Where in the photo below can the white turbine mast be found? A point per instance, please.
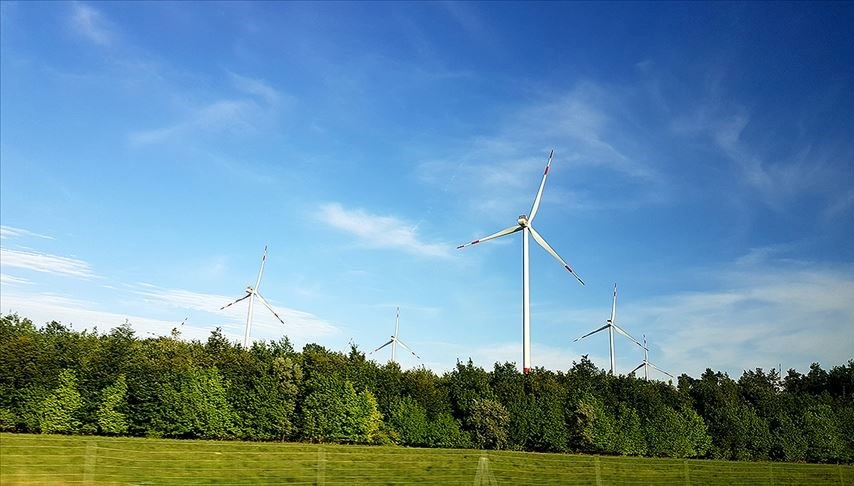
(524, 225)
(646, 364)
(394, 341)
(251, 293)
(611, 325)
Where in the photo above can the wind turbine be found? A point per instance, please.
(611, 325)
(251, 293)
(646, 364)
(523, 224)
(394, 341)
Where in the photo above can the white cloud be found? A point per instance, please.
(380, 231)
(778, 177)
(46, 263)
(256, 87)
(91, 24)
(298, 324)
(588, 130)
(243, 113)
(222, 116)
(11, 232)
(44, 307)
(6, 279)
(759, 317)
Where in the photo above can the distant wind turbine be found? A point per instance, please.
(611, 325)
(394, 341)
(524, 225)
(646, 364)
(251, 293)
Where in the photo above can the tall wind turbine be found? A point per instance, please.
(611, 325)
(251, 293)
(646, 364)
(523, 224)
(394, 341)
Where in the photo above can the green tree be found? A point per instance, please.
(333, 411)
(588, 427)
(821, 430)
(408, 419)
(194, 404)
(445, 431)
(629, 437)
(111, 420)
(58, 411)
(488, 421)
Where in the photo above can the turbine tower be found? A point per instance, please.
(646, 364)
(611, 325)
(394, 341)
(251, 293)
(523, 224)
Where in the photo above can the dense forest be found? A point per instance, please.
(57, 380)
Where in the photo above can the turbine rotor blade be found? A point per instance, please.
(637, 368)
(539, 239)
(248, 294)
(261, 270)
(536, 205)
(659, 369)
(624, 333)
(408, 348)
(264, 301)
(591, 333)
(384, 345)
(505, 231)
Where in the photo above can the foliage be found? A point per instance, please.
(334, 412)
(57, 380)
(194, 405)
(408, 419)
(58, 411)
(111, 421)
(489, 420)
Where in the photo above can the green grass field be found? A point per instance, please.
(52, 459)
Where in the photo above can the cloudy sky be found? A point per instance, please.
(704, 162)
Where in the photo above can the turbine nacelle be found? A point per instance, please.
(523, 220)
(252, 294)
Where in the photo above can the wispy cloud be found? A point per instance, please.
(298, 324)
(466, 17)
(231, 115)
(778, 171)
(91, 24)
(757, 318)
(11, 232)
(6, 279)
(498, 172)
(45, 307)
(256, 87)
(218, 117)
(378, 231)
(46, 263)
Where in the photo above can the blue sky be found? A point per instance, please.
(703, 161)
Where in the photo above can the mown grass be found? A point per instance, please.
(52, 459)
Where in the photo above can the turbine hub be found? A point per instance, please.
(523, 220)
(249, 290)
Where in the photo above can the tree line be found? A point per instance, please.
(57, 380)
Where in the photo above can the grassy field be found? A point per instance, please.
(51, 459)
